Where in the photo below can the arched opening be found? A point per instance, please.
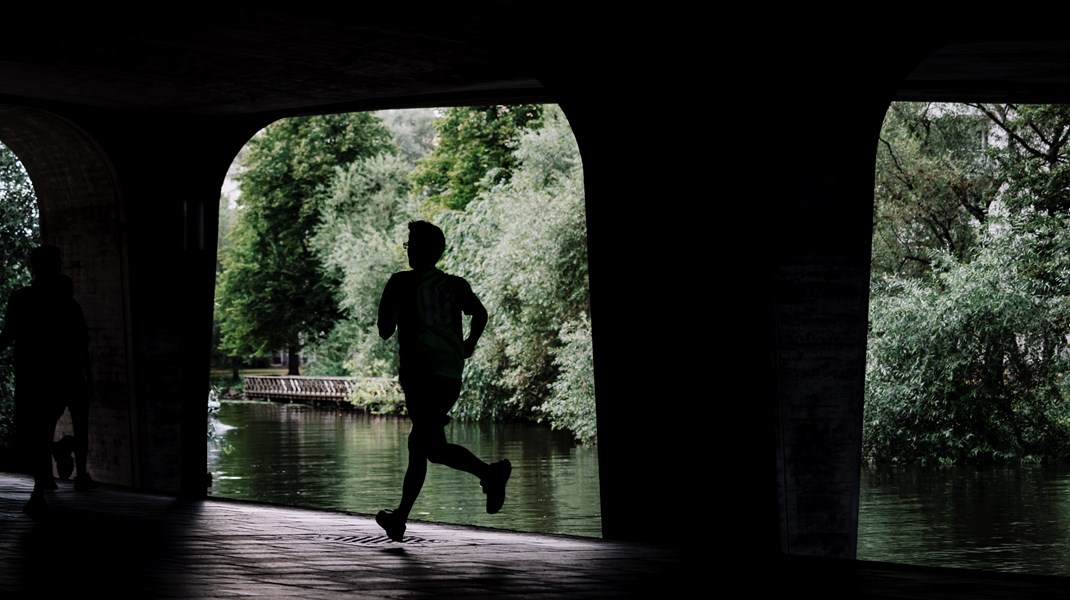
(80, 213)
(19, 234)
(313, 224)
(966, 405)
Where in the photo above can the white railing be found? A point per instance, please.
(298, 387)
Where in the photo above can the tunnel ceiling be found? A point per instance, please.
(241, 62)
(1031, 71)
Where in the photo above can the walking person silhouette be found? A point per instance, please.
(425, 307)
(48, 330)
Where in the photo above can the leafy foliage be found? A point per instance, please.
(18, 223)
(18, 235)
(572, 405)
(935, 182)
(474, 152)
(273, 292)
(378, 396)
(413, 131)
(968, 365)
(971, 275)
(1034, 154)
(523, 244)
(359, 240)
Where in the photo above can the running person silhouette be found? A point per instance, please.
(425, 307)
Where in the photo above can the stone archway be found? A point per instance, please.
(80, 212)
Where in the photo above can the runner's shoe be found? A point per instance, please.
(494, 485)
(395, 530)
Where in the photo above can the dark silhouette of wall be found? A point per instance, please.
(821, 242)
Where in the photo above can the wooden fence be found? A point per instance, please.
(315, 389)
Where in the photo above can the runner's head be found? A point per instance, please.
(426, 244)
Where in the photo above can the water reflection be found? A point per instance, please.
(295, 455)
(1007, 519)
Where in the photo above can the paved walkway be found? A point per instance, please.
(128, 544)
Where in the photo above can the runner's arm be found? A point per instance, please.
(388, 320)
(479, 316)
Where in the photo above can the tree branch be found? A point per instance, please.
(978, 212)
(903, 176)
(1003, 125)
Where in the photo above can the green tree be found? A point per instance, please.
(18, 223)
(220, 358)
(1034, 153)
(969, 310)
(523, 245)
(359, 240)
(18, 235)
(935, 181)
(273, 292)
(968, 364)
(474, 152)
(572, 404)
(413, 130)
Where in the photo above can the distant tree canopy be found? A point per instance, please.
(474, 152)
(413, 130)
(970, 294)
(274, 293)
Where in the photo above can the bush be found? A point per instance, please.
(968, 366)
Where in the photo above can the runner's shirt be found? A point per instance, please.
(427, 308)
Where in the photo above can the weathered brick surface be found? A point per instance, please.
(80, 212)
(139, 264)
(821, 355)
(820, 305)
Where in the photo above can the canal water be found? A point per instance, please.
(296, 455)
(1014, 519)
